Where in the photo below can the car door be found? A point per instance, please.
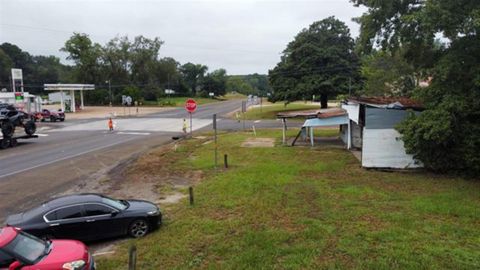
(67, 223)
(101, 222)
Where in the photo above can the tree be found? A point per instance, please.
(239, 85)
(6, 64)
(387, 74)
(193, 75)
(116, 59)
(215, 82)
(144, 56)
(319, 61)
(86, 55)
(445, 136)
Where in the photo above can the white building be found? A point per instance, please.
(56, 97)
(28, 103)
(371, 129)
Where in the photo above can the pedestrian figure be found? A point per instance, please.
(184, 126)
(110, 124)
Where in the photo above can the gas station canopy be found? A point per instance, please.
(72, 88)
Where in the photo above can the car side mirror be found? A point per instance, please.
(114, 213)
(15, 265)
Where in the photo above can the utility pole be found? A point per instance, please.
(110, 92)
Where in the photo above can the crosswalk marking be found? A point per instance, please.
(133, 133)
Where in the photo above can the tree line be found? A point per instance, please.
(126, 66)
(401, 44)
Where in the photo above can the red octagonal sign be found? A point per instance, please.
(190, 105)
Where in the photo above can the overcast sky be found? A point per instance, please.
(241, 36)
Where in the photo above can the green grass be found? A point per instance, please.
(269, 111)
(179, 101)
(304, 208)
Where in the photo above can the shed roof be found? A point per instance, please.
(389, 102)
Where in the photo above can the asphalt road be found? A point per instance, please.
(70, 152)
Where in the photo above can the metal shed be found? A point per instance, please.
(371, 128)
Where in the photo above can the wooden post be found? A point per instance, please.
(191, 129)
(190, 191)
(132, 257)
(225, 161)
(216, 146)
(284, 132)
(311, 135)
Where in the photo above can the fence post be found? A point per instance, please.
(132, 257)
(225, 161)
(190, 191)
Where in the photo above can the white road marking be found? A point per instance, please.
(140, 125)
(257, 121)
(41, 135)
(133, 133)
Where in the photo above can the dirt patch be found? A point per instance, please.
(259, 142)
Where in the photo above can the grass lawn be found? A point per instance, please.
(270, 111)
(179, 101)
(304, 208)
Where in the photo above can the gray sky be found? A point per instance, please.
(241, 36)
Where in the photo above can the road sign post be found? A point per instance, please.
(191, 106)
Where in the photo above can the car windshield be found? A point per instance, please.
(27, 247)
(114, 203)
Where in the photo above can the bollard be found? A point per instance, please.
(132, 257)
(225, 161)
(190, 191)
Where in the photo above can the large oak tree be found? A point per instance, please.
(320, 61)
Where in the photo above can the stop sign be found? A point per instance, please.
(190, 105)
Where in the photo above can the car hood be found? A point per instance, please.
(64, 251)
(139, 205)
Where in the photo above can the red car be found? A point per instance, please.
(49, 114)
(32, 253)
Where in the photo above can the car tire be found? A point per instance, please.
(30, 128)
(13, 142)
(8, 129)
(5, 143)
(42, 120)
(53, 119)
(138, 228)
(62, 119)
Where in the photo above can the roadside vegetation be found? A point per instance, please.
(304, 208)
(179, 101)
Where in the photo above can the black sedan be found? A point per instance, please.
(88, 217)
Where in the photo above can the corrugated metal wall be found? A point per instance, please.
(382, 146)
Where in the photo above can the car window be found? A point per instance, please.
(97, 210)
(68, 212)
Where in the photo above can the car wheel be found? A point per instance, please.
(30, 128)
(8, 129)
(13, 142)
(42, 120)
(138, 228)
(53, 119)
(5, 143)
(62, 119)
